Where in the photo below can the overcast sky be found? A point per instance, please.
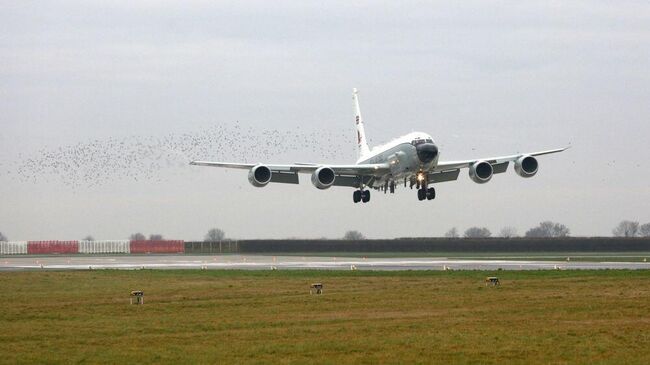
(484, 78)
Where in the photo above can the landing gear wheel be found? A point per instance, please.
(365, 196)
(431, 193)
(356, 196)
(422, 194)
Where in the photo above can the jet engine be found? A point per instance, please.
(480, 172)
(323, 177)
(526, 166)
(259, 176)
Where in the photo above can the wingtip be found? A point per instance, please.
(192, 162)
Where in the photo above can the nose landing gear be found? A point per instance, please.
(427, 194)
(422, 182)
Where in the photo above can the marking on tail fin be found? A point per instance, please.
(361, 134)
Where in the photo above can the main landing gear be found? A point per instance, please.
(361, 196)
(428, 194)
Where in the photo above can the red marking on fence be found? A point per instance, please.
(157, 246)
(52, 247)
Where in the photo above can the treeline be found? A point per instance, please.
(546, 229)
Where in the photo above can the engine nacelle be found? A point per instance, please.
(480, 172)
(259, 176)
(526, 166)
(323, 177)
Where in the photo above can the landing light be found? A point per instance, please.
(420, 177)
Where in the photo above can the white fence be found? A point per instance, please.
(119, 246)
(13, 248)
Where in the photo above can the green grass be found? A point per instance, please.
(363, 317)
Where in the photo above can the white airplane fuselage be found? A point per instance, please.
(408, 155)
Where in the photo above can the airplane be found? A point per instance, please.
(413, 159)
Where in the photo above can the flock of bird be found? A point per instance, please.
(99, 162)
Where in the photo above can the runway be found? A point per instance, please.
(260, 262)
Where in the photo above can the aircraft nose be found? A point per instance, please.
(427, 152)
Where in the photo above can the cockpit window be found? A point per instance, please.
(429, 140)
(416, 142)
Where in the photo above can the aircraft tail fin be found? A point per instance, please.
(362, 142)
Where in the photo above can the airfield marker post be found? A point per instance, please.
(138, 295)
(316, 288)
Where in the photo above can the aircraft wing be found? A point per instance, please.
(352, 170)
(501, 161)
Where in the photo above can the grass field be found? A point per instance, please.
(363, 317)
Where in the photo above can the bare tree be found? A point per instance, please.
(88, 238)
(138, 237)
(3, 237)
(508, 232)
(644, 230)
(353, 236)
(548, 229)
(155, 237)
(626, 229)
(477, 232)
(214, 235)
(452, 233)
